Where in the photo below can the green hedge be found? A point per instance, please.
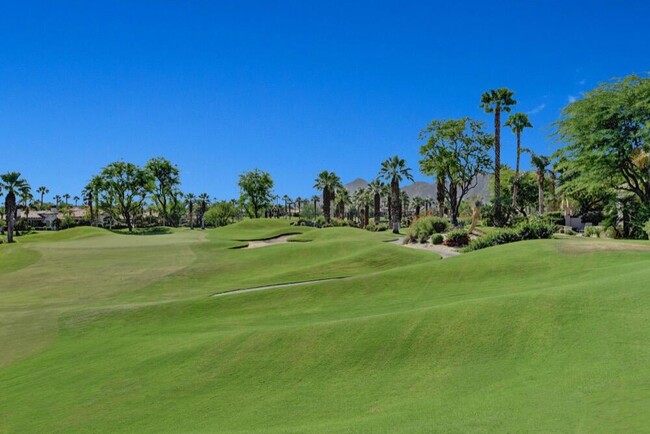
(525, 231)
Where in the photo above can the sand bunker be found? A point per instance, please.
(263, 243)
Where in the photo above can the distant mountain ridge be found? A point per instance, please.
(428, 189)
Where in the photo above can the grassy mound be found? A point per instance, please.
(520, 337)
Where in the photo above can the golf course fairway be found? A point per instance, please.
(108, 332)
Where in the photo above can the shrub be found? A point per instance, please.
(535, 229)
(593, 231)
(457, 238)
(422, 228)
(646, 227)
(374, 227)
(437, 239)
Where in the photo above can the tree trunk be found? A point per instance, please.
(417, 210)
(497, 152)
(515, 187)
(366, 216)
(326, 204)
(377, 207)
(389, 204)
(10, 204)
(540, 193)
(440, 194)
(395, 205)
(453, 203)
(127, 217)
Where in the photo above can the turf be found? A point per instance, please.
(109, 332)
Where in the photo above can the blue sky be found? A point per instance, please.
(291, 87)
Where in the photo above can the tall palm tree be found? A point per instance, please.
(327, 183)
(204, 200)
(67, 198)
(76, 200)
(495, 101)
(405, 203)
(518, 122)
(57, 199)
(394, 170)
(376, 189)
(190, 198)
(42, 190)
(540, 163)
(12, 183)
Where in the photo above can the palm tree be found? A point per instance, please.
(42, 190)
(495, 101)
(76, 200)
(394, 170)
(298, 202)
(405, 202)
(376, 189)
(57, 199)
(418, 203)
(287, 204)
(189, 200)
(204, 199)
(315, 199)
(540, 163)
(342, 199)
(12, 183)
(67, 198)
(327, 182)
(518, 122)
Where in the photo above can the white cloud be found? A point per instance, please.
(572, 99)
(537, 109)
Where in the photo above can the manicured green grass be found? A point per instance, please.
(119, 333)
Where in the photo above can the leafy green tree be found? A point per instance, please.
(42, 190)
(497, 101)
(221, 213)
(394, 170)
(518, 122)
(459, 149)
(166, 179)
(327, 182)
(12, 183)
(256, 191)
(607, 137)
(126, 187)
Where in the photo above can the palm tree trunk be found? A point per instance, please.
(10, 204)
(377, 207)
(497, 152)
(395, 204)
(326, 204)
(515, 187)
(366, 216)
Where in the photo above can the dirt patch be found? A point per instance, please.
(588, 246)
